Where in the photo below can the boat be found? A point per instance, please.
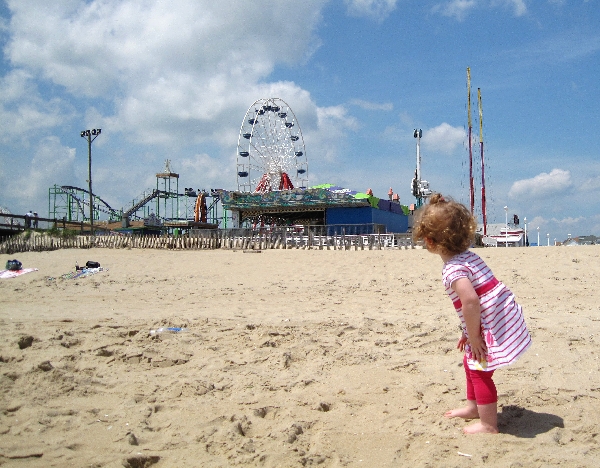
(505, 236)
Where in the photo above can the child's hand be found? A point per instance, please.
(478, 348)
(462, 341)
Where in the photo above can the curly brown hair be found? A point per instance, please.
(448, 224)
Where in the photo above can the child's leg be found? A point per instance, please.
(488, 420)
(470, 410)
(487, 403)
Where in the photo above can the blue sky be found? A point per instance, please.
(173, 80)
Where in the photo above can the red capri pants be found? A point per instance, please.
(480, 386)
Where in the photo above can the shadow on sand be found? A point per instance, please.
(522, 422)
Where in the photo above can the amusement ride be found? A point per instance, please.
(270, 150)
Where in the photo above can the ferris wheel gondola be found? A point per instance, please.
(270, 152)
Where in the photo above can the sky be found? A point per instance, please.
(174, 79)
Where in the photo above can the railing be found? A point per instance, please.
(19, 223)
(210, 239)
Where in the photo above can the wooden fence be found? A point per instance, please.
(211, 239)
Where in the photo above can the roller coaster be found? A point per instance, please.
(163, 206)
(72, 204)
(69, 203)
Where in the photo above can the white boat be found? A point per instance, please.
(512, 236)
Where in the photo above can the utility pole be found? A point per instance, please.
(90, 135)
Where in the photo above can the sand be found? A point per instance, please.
(290, 358)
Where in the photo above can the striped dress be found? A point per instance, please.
(502, 324)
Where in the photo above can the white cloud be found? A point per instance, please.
(542, 185)
(376, 9)
(550, 226)
(367, 105)
(204, 167)
(167, 69)
(590, 184)
(336, 117)
(333, 124)
(444, 138)
(23, 111)
(518, 6)
(121, 43)
(51, 162)
(536, 221)
(458, 9)
(570, 221)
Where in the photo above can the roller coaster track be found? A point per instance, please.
(77, 195)
(102, 206)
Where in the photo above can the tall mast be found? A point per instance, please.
(417, 135)
(471, 183)
(483, 206)
(419, 187)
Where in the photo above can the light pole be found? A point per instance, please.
(90, 135)
(506, 227)
(548, 237)
(538, 230)
(416, 185)
(525, 240)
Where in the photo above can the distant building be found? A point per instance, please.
(341, 209)
(581, 240)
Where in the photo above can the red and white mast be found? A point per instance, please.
(471, 183)
(483, 207)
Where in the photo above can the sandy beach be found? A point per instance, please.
(290, 358)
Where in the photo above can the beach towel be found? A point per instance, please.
(4, 274)
(79, 273)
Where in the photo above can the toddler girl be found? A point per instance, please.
(494, 333)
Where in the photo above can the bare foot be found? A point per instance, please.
(467, 412)
(480, 428)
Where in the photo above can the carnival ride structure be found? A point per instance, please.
(272, 175)
(162, 206)
(69, 203)
(420, 188)
(270, 152)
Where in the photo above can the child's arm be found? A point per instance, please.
(472, 315)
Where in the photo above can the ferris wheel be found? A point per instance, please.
(270, 151)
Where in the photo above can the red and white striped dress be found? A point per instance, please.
(502, 322)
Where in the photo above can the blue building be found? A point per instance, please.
(340, 209)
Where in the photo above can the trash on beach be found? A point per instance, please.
(464, 454)
(160, 330)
